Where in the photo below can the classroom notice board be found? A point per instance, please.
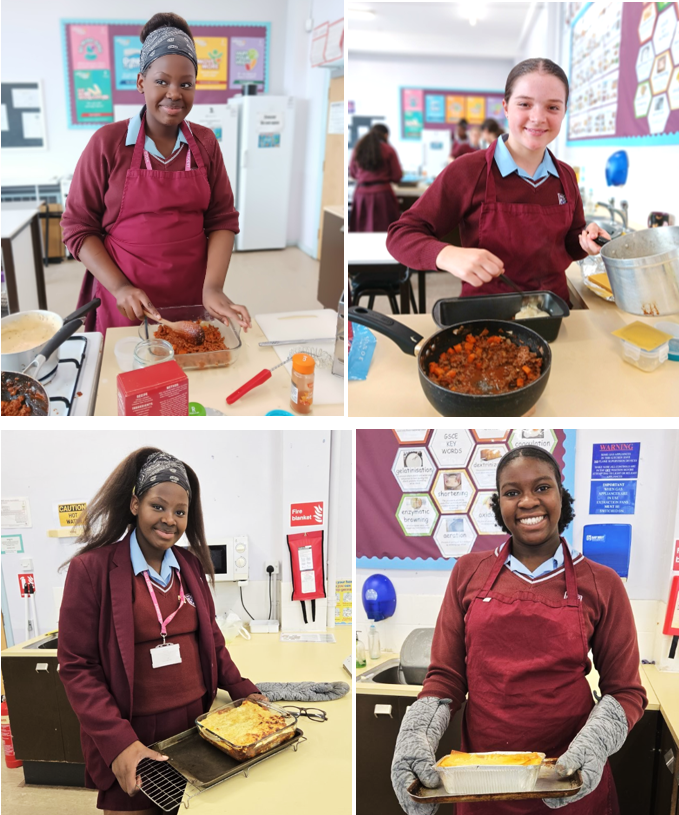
(23, 117)
(437, 109)
(101, 63)
(624, 75)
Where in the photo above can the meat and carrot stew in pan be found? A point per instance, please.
(486, 364)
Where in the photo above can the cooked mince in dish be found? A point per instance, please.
(485, 364)
(213, 339)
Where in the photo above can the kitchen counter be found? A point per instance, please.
(670, 687)
(211, 387)
(588, 377)
(665, 685)
(318, 775)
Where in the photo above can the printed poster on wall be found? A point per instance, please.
(211, 53)
(89, 47)
(93, 101)
(412, 113)
(612, 497)
(441, 108)
(246, 61)
(615, 460)
(126, 54)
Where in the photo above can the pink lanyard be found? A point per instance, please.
(148, 160)
(182, 598)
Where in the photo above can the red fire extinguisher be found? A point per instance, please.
(10, 760)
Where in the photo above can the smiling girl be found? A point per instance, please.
(140, 654)
(513, 637)
(150, 210)
(518, 208)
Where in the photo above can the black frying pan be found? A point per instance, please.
(450, 403)
(15, 384)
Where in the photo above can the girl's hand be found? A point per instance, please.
(257, 697)
(125, 766)
(219, 306)
(586, 238)
(474, 266)
(132, 302)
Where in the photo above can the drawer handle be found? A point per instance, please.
(669, 761)
(383, 710)
(42, 666)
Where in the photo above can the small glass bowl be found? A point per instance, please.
(151, 352)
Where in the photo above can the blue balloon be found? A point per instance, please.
(616, 169)
(379, 597)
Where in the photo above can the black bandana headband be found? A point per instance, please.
(159, 468)
(163, 41)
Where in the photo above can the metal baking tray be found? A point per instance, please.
(548, 785)
(452, 310)
(194, 766)
(243, 752)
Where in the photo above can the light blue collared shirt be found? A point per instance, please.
(549, 565)
(140, 565)
(506, 164)
(149, 144)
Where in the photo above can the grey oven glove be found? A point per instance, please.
(603, 734)
(303, 691)
(424, 724)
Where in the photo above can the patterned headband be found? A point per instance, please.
(159, 468)
(163, 41)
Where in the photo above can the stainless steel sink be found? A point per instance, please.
(388, 673)
(49, 642)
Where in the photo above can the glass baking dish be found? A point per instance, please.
(201, 359)
(242, 752)
(482, 779)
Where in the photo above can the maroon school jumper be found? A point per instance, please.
(518, 648)
(375, 206)
(97, 658)
(460, 148)
(144, 241)
(524, 226)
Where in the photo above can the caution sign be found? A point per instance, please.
(69, 513)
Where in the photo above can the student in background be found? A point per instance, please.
(460, 139)
(490, 130)
(473, 142)
(375, 165)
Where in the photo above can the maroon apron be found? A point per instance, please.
(530, 239)
(526, 663)
(158, 240)
(374, 207)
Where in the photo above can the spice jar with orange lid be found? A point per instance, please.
(302, 386)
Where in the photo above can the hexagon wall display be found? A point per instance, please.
(413, 469)
(454, 535)
(453, 490)
(484, 463)
(412, 436)
(660, 76)
(647, 22)
(642, 100)
(451, 448)
(490, 435)
(673, 90)
(544, 438)
(645, 59)
(665, 29)
(417, 514)
(483, 516)
(660, 111)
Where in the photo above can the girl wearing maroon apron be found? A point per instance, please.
(140, 654)
(375, 165)
(170, 241)
(525, 656)
(525, 220)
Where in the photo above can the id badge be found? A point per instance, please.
(167, 654)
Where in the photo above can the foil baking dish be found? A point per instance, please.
(484, 779)
(259, 745)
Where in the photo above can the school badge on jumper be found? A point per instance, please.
(562, 198)
(190, 600)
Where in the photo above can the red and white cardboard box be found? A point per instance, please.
(160, 390)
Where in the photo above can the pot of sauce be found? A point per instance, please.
(25, 334)
(643, 268)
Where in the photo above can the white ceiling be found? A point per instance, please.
(439, 28)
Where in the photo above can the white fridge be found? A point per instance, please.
(266, 132)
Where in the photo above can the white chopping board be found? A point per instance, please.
(300, 325)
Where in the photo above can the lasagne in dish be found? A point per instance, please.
(245, 729)
(457, 759)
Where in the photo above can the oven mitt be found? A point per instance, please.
(603, 734)
(421, 730)
(303, 691)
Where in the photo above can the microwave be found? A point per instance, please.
(230, 558)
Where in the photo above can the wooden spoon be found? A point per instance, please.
(191, 332)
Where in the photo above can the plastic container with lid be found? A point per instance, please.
(644, 346)
(151, 352)
(302, 384)
(673, 330)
